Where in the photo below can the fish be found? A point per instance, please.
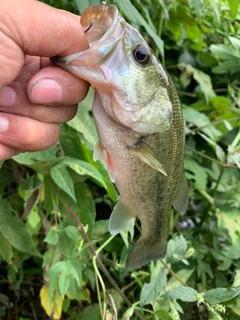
(138, 117)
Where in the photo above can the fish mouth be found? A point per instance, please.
(104, 28)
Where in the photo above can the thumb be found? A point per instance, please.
(35, 29)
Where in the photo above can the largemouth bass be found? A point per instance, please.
(139, 122)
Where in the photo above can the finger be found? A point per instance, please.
(35, 29)
(40, 29)
(54, 86)
(7, 152)
(27, 134)
(15, 100)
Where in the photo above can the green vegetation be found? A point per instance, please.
(54, 205)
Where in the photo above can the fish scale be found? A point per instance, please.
(138, 118)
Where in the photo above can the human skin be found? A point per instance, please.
(35, 96)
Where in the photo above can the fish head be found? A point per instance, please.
(133, 87)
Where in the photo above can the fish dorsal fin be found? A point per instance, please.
(120, 218)
(146, 154)
(181, 199)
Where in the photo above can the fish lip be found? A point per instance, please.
(65, 60)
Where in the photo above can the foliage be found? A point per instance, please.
(55, 204)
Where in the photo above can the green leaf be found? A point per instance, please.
(183, 274)
(202, 78)
(232, 66)
(83, 4)
(52, 237)
(163, 315)
(63, 179)
(224, 52)
(68, 246)
(29, 158)
(219, 151)
(232, 252)
(220, 295)
(150, 291)
(136, 18)
(6, 251)
(84, 208)
(235, 42)
(76, 271)
(14, 230)
(214, 5)
(56, 268)
(63, 282)
(83, 122)
(201, 121)
(186, 294)
(91, 312)
(234, 155)
(83, 169)
(233, 7)
(230, 220)
(128, 313)
(195, 172)
(73, 233)
(176, 248)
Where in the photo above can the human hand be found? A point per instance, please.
(36, 96)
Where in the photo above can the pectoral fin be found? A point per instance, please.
(101, 153)
(181, 199)
(146, 154)
(97, 152)
(120, 218)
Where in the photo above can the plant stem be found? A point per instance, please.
(224, 165)
(95, 255)
(173, 274)
(207, 196)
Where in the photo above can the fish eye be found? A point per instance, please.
(141, 54)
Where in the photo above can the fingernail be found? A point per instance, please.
(3, 124)
(7, 96)
(45, 91)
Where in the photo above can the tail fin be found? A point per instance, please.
(145, 251)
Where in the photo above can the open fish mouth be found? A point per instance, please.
(104, 28)
(108, 17)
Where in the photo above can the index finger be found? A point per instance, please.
(35, 29)
(40, 29)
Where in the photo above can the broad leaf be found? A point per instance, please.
(136, 18)
(63, 179)
(186, 294)
(150, 291)
(220, 295)
(6, 251)
(14, 230)
(233, 7)
(53, 307)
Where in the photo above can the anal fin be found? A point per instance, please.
(146, 154)
(120, 218)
